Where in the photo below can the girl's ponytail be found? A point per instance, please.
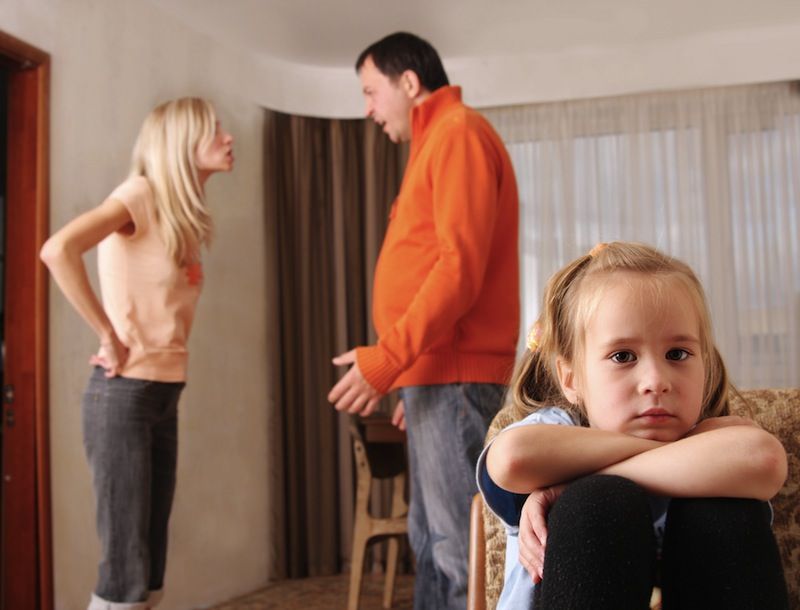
(535, 384)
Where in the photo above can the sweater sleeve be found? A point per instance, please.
(464, 178)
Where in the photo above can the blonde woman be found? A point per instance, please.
(149, 233)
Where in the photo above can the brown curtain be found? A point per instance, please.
(329, 185)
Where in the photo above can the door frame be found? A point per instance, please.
(27, 220)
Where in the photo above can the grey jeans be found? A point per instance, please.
(130, 432)
(446, 426)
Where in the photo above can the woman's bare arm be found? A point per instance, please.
(63, 255)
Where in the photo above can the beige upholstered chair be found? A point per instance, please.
(376, 460)
(776, 410)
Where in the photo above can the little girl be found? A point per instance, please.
(149, 232)
(628, 471)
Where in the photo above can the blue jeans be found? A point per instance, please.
(446, 427)
(130, 432)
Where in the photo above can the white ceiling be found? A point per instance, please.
(331, 33)
(299, 54)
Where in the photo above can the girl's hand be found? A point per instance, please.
(533, 529)
(112, 356)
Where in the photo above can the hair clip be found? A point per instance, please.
(533, 337)
(599, 247)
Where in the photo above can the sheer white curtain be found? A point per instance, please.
(710, 176)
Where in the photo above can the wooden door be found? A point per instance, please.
(26, 568)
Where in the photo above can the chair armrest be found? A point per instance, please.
(476, 585)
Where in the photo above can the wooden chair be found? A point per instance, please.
(476, 583)
(384, 459)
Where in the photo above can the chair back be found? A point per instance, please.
(385, 460)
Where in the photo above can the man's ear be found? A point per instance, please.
(410, 83)
(568, 380)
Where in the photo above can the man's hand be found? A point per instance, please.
(399, 416)
(353, 393)
(533, 529)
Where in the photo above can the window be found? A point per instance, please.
(708, 176)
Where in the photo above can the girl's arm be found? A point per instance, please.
(526, 458)
(63, 255)
(739, 461)
(722, 457)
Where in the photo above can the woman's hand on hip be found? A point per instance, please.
(112, 356)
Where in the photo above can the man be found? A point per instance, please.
(446, 300)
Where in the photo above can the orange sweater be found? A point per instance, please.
(446, 294)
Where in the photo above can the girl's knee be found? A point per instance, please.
(601, 501)
(719, 528)
(709, 543)
(600, 545)
(719, 514)
(603, 490)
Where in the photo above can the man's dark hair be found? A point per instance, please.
(402, 51)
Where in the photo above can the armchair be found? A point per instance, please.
(778, 411)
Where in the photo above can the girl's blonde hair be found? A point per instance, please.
(571, 297)
(165, 153)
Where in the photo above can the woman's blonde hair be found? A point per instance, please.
(571, 297)
(165, 153)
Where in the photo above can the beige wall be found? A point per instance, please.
(112, 60)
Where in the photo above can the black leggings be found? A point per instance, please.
(601, 552)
